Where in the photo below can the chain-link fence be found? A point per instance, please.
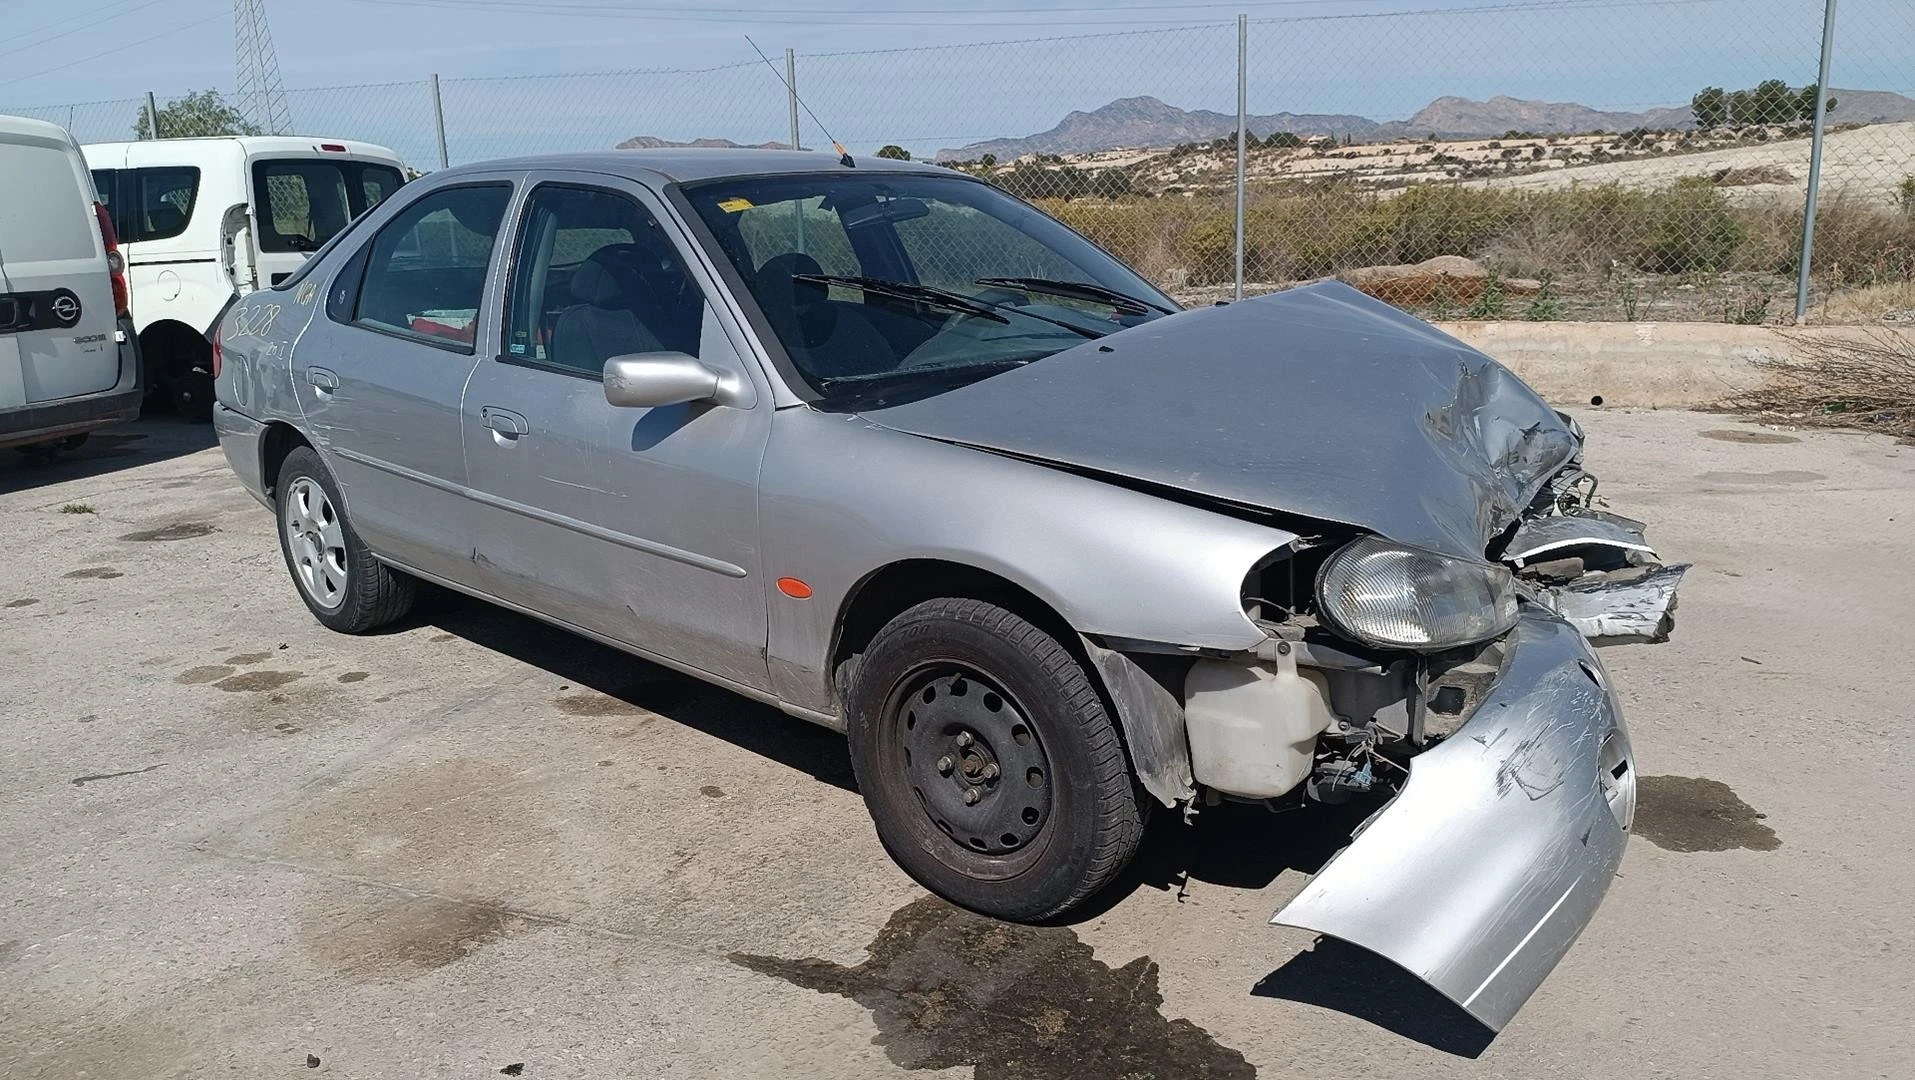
(1672, 189)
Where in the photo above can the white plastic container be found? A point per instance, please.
(1253, 726)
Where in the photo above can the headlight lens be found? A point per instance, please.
(1399, 597)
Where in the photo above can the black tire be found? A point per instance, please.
(191, 393)
(949, 669)
(370, 594)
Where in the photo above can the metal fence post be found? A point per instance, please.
(152, 117)
(1243, 103)
(439, 121)
(1815, 163)
(791, 94)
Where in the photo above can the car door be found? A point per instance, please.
(638, 524)
(379, 378)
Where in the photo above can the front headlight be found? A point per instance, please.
(1398, 597)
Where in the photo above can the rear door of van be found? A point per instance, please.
(57, 323)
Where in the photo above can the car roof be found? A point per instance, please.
(252, 144)
(688, 163)
(40, 129)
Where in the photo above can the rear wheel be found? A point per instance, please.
(342, 584)
(990, 765)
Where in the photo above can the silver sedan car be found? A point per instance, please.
(891, 450)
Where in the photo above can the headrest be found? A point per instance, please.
(606, 277)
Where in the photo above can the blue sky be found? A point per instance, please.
(1379, 58)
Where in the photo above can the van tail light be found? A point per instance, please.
(333, 147)
(216, 352)
(115, 262)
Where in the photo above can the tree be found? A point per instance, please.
(894, 152)
(1711, 107)
(199, 113)
(989, 161)
(1284, 140)
(1805, 102)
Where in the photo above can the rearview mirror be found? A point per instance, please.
(655, 379)
(891, 210)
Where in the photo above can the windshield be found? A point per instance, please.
(889, 285)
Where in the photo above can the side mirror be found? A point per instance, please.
(656, 379)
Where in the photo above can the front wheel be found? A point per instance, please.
(342, 584)
(989, 763)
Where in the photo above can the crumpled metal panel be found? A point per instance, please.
(1542, 536)
(1318, 401)
(1487, 865)
(1617, 609)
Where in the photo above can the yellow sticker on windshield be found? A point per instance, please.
(734, 205)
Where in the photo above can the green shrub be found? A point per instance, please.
(1693, 228)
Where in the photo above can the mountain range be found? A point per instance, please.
(1146, 122)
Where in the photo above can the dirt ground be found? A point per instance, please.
(239, 845)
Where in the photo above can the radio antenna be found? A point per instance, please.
(844, 156)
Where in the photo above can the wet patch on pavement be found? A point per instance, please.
(1756, 438)
(391, 935)
(712, 791)
(948, 988)
(184, 530)
(1691, 813)
(82, 781)
(257, 680)
(24, 601)
(195, 676)
(248, 658)
(104, 573)
(354, 676)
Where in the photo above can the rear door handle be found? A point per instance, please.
(322, 378)
(503, 421)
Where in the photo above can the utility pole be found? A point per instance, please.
(1243, 120)
(262, 99)
(791, 93)
(152, 117)
(439, 120)
(1815, 163)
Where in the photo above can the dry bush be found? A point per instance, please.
(1869, 303)
(1858, 242)
(1865, 382)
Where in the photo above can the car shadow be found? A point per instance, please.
(1357, 982)
(123, 446)
(1243, 846)
(749, 725)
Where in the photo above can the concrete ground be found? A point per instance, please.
(236, 844)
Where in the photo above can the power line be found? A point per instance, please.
(90, 20)
(94, 54)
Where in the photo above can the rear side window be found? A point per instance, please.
(304, 202)
(160, 203)
(425, 271)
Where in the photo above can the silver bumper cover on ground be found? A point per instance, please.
(1482, 871)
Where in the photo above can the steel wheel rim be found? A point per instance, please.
(315, 543)
(956, 731)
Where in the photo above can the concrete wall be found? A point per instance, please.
(1644, 365)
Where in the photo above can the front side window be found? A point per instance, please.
(304, 202)
(425, 272)
(161, 203)
(888, 285)
(595, 277)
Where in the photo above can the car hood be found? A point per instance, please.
(1318, 401)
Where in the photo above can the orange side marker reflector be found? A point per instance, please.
(794, 588)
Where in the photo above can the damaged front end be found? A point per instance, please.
(1508, 763)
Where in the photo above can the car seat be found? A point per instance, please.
(823, 337)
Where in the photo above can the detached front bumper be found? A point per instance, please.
(1482, 871)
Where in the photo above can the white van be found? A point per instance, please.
(68, 359)
(203, 219)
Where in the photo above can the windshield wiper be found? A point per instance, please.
(904, 290)
(1123, 303)
(944, 298)
(862, 387)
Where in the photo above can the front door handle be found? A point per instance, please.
(503, 421)
(324, 379)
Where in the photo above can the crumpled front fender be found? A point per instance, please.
(1489, 862)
